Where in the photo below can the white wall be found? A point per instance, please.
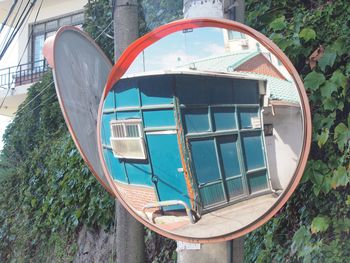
(235, 45)
(284, 147)
(49, 9)
(4, 121)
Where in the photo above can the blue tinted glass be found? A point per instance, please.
(212, 194)
(196, 120)
(245, 117)
(234, 187)
(227, 146)
(205, 161)
(252, 150)
(224, 118)
(257, 181)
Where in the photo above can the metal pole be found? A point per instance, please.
(130, 233)
(230, 251)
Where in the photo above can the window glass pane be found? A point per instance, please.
(253, 150)
(196, 120)
(78, 19)
(65, 21)
(249, 118)
(39, 28)
(224, 118)
(227, 147)
(51, 25)
(38, 47)
(205, 161)
(235, 35)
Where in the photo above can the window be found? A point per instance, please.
(44, 29)
(233, 35)
(127, 139)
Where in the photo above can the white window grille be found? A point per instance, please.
(127, 139)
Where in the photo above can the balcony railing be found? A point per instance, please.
(22, 74)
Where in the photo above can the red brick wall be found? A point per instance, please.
(260, 65)
(137, 196)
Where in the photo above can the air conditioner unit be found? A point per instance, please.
(127, 139)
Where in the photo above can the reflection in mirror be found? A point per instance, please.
(203, 133)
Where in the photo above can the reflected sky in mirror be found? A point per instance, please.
(237, 113)
(208, 49)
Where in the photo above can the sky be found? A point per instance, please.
(180, 48)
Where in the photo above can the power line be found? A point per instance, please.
(12, 22)
(8, 15)
(18, 25)
(46, 87)
(30, 37)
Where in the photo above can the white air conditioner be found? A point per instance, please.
(127, 139)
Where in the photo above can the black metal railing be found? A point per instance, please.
(22, 74)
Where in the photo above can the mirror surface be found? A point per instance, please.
(203, 134)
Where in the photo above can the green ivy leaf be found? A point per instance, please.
(339, 79)
(278, 24)
(328, 88)
(340, 177)
(341, 135)
(322, 138)
(327, 59)
(320, 224)
(301, 237)
(33, 202)
(307, 34)
(314, 80)
(339, 46)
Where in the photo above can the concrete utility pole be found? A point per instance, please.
(130, 233)
(231, 251)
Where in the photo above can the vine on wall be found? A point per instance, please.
(314, 225)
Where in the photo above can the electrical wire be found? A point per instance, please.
(25, 49)
(46, 87)
(18, 26)
(8, 15)
(14, 19)
(12, 22)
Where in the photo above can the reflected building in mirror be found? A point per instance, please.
(202, 143)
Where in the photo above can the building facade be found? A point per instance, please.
(24, 63)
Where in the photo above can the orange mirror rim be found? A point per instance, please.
(139, 45)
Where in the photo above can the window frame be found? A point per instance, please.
(45, 32)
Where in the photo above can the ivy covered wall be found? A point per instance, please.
(314, 225)
(47, 194)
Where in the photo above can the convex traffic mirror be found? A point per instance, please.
(203, 129)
